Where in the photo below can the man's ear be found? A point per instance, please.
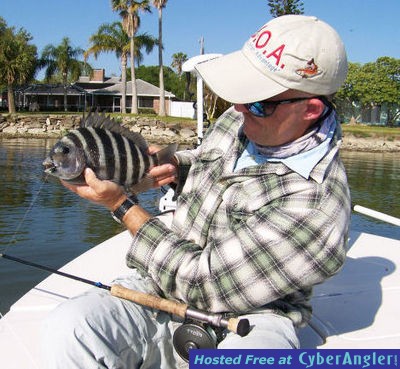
(315, 108)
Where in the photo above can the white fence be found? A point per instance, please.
(182, 109)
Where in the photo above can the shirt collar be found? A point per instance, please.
(302, 163)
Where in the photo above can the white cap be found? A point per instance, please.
(290, 52)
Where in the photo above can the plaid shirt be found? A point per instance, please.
(258, 238)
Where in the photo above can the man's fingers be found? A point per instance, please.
(164, 182)
(153, 149)
(161, 171)
(91, 179)
(163, 174)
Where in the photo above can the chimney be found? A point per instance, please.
(98, 75)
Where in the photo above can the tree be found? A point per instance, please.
(283, 7)
(112, 38)
(61, 63)
(146, 42)
(18, 60)
(129, 12)
(177, 61)
(160, 4)
(347, 96)
(379, 86)
(372, 86)
(172, 81)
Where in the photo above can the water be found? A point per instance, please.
(43, 222)
(374, 180)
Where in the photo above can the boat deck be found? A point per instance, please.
(355, 309)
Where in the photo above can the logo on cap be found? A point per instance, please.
(311, 70)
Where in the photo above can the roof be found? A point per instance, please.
(143, 88)
(86, 79)
(92, 85)
(56, 89)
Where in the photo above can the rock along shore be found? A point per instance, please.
(54, 126)
(153, 130)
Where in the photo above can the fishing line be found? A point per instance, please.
(22, 221)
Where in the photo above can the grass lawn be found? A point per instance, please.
(366, 131)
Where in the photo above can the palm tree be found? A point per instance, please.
(143, 41)
(160, 4)
(112, 38)
(128, 10)
(18, 60)
(61, 63)
(177, 61)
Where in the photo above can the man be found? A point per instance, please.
(262, 214)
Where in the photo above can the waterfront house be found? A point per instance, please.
(106, 93)
(95, 91)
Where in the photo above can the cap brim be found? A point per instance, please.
(233, 78)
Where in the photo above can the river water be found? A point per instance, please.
(44, 223)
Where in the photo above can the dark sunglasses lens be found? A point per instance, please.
(256, 109)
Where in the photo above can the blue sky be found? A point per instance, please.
(369, 28)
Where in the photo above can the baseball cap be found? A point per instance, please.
(289, 52)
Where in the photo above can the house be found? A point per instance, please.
(96, 91)
(50, 97)
(106, 93)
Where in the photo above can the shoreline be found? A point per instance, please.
(349, 143)
(156, 131)
(370, 144)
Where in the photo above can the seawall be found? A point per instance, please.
(154, 131)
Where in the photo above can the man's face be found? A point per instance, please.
(286, 121)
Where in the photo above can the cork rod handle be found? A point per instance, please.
(148, 300)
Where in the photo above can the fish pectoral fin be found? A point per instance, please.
(145, 184)
(166, 154)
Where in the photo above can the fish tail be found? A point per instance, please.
(165, 155)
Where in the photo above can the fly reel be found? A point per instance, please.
(193, 336)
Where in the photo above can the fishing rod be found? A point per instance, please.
(235, 325)
(376, 214)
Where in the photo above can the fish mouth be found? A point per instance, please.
(50, 170)
(49, 166)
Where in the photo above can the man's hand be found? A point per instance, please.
(106, 193)
(162, 174)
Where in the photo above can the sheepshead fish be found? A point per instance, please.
(110, 150)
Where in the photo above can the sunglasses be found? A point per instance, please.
(266, 108)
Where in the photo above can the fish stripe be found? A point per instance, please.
(129, 161)
(107, 159)
(113, 151)
(137, 162)
(94, 150)
(120, 151)
(72, 139)
(89, 146)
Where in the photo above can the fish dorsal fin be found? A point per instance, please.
(102, 121)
